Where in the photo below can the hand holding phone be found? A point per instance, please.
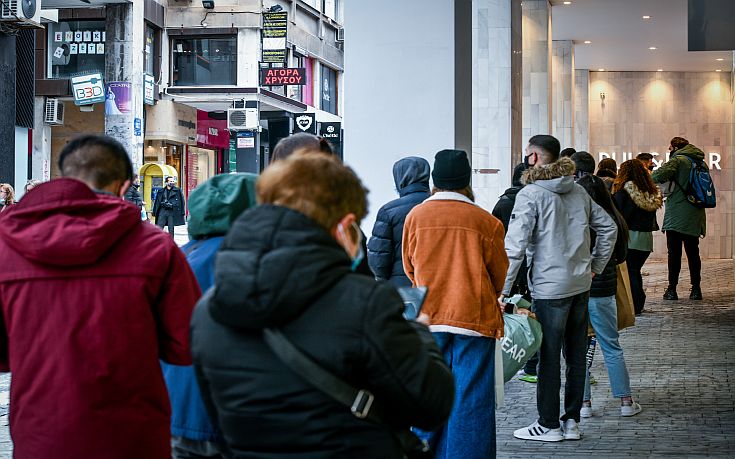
(413, 300)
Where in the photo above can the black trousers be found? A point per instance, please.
(166, 218)
(674, 242)
(636, 259)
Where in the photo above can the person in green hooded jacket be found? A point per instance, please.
(684, 224)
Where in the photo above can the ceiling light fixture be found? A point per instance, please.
(646, 17)
(652, 48)
(720, 59)
(718, 70)
(587, 42)
(660, 70)
(600, 70)
(567, 3)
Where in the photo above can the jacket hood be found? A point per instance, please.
(215, 204)
(410, 170)
(691, 151)
(64, 223)
(557, 177)
(512, 191)
(273, 264)
(644, 199)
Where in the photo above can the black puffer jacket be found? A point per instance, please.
(606, 283)
(411, 176)
(638, 208)
(133, 195)
(277, 268)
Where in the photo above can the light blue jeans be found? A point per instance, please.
(604, 320)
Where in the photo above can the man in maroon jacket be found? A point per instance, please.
(91, 298)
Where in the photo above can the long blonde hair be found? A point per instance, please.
(10, 194)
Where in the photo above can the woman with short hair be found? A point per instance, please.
(288, 265)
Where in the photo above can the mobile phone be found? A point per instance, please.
(413, 300)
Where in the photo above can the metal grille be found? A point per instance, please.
(25, 78)
(9, 9)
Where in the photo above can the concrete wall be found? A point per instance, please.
(642, 111)
(399, 88)
(76, 123)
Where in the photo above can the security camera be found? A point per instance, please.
(208, 4)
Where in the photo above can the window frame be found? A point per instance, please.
(192, 37)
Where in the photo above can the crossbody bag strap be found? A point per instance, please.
(359, 401)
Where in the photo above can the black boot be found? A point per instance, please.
(670, 293)
(696, 293)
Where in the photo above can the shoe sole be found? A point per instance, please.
(539, 438)
(573, 437)
(585, 415)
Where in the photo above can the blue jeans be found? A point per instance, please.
(470, 431)
(564, 325)
(604, 320)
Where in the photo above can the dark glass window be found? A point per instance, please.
(204, 61)
(76, 47)
(149, 50)
(329, 90)
(296, 92)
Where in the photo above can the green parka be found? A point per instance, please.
(680, 215)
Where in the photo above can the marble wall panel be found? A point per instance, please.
(642, 111)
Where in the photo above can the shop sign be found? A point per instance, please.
(658, 159)
(306, 122)
(138, 127)
(119, 98)
(283, 77)
(88, 89)
(246, 142)
(273, 36)
(149, 84)
(333, 133)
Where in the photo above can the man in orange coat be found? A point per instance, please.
(456, 249)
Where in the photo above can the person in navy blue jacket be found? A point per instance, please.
(411, 176)
(213, 206)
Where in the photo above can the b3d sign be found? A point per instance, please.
(283, 77)
(88, 89)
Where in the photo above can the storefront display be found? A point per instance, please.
(76, 47)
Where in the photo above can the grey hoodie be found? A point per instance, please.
(550, 224)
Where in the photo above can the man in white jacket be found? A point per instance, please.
(550, 225)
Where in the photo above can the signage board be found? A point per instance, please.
(305, 122)
(333, 133)
(88, 89)
(273, 36)
(149, 84)
(283, 76)
(138, 127)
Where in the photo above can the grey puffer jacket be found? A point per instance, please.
(550, 225)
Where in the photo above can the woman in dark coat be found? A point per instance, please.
(637, 198)
(288, 264)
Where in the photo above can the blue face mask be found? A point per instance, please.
(360, 255)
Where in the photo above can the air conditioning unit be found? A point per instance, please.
(53, 113)
(21, 12)
(242, 119)
(341, 35)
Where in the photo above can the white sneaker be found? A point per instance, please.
(536, 432)
(570, 429)
(630, 410)
(586, 411)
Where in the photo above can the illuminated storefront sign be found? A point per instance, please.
(713, 158)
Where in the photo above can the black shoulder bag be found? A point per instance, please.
(361, 402)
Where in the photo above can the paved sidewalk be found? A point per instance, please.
(681, 372)
(679, 356)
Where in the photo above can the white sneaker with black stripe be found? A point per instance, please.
(539, 433)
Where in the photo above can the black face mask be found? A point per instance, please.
(525, 162)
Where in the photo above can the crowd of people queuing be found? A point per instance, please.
(122, 345)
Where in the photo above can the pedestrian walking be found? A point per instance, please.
(455, 248)
(603, 308)
(285, 268)
(7, 196)
(684, 223)
(83, 326)
(168, 208)
(213, 207)
(638, 199)
(411, 176)
(551, 222)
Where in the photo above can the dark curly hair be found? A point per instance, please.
(634, 171)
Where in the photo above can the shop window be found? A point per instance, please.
(329, 89)
(204, 61)
(76, 47)
(296, 92)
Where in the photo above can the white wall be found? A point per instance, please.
(399, 88)
(21, 160)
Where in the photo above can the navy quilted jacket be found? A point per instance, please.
(411, 176)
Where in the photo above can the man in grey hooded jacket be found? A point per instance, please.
(550, 225)
(411, 176)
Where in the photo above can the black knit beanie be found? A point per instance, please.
(452, 170)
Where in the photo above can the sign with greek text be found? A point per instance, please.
(88, 89)
(283, 77)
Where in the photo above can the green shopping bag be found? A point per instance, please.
(522, 339)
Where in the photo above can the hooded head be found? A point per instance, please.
(410, 170)
(216, 203)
